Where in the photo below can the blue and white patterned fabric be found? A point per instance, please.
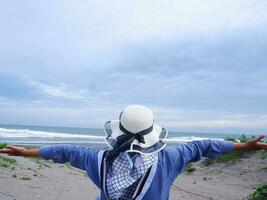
(126, 171)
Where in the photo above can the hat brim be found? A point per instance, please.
(153, 140)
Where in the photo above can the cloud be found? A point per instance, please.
(199, 64)
(173, 118)
(63, 91)
(258, 122)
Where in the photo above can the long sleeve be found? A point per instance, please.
(79, 157)
(178, 156)
(193, 151)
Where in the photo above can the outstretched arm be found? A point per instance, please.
(79, 157)
(178, 156)
(212, 148)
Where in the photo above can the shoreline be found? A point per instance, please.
(91, 137)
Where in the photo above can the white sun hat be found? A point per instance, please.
(136, 120)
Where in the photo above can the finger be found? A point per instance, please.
(12, 147)
(261, 136)
(262, 145)
(258, 139)
(6, 151)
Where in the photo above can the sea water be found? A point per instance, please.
(91, 137)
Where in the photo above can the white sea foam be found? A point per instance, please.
(55, 142)
(187, 139)
(26, 133)
(56, 137)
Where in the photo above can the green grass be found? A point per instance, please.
(4, 165)
(6, 162)
(25, 178)
(264, 154)
(68, 165)
(230, 139)
(230, 157)
(190, 168)
(264, 168)
(2, 146)
(85, 174)
(243, 138)
(42, 163)
(259, 194)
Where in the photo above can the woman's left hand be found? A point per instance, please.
(253, 144)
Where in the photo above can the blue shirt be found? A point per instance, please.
(170, 162)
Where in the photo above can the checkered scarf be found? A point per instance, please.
(124, 173)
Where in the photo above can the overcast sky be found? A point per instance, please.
(199, 65)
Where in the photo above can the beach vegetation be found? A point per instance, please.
(264, 154)
(243, 138)
(4, 165)
(264, 168)
(232, 139)
(68, 165)
(230, 157)
(259, 194)
(6, 162)
(85, 174)
(25, 178)
(190, 168)
(41, 163)
(3, 145)
(14, 175)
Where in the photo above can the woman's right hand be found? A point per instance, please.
(20, 151)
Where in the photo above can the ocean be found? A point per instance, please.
(91, 137)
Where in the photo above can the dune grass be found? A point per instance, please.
(6, 162)
(3, 145)
(264, 168)
(190, 168)
(25, 178)
(41, 162)
(231, 157)
(264, 154)
(259, 194)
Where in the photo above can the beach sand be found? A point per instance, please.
(36, 179)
